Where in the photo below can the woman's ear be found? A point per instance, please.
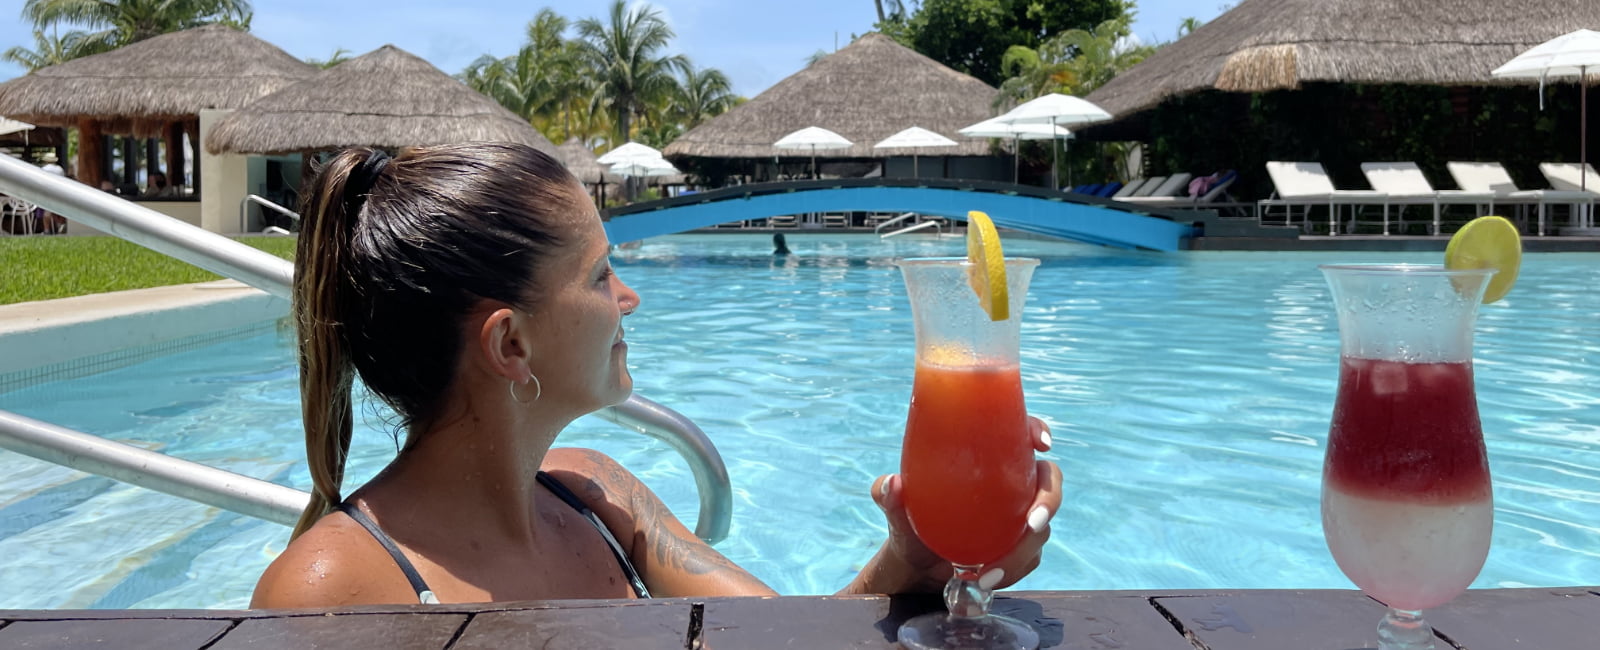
(502, 346)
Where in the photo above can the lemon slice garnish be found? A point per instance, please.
(1487, 243)
(987, 266)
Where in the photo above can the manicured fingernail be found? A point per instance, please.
(991, 578)
(883, 490)
(1038, 518)
(1044, 437)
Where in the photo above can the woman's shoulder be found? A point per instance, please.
(604, 485)
(336, 562)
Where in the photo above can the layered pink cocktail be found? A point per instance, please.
(1406, 503)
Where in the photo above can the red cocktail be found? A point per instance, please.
(967, 462)
(1406, 504)
(1406, 465)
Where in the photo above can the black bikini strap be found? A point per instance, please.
(571, 499)
(424, 595)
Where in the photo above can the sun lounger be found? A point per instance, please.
(1150, 186)
(1307, 184)
(1405, 185)
(1573, 177)
(1183, 200)
(1109, 189)
(1130, 188)
(1491, 177)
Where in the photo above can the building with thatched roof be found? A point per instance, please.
(1264, 45)
(867, 91)
(156, 87)
(385, 98)
(1349, 81)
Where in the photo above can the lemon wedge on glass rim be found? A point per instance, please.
(1487, 243)
(986, 270)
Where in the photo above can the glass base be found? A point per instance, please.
(941, 631)
(1404, 630)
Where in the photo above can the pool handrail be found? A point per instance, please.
(213, 252)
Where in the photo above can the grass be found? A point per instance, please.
(45, 268)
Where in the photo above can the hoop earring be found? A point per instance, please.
(538, 390)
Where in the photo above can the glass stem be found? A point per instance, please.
(963, 596)
(1404, 629)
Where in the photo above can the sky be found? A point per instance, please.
(755, 42)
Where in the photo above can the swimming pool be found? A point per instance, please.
(1189, 394)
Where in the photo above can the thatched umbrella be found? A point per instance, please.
(580, 160)
(1263, 45)
(866, 92)
(385, 98)
(154, 87)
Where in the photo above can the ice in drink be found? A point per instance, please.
(1406, 503)
(967, 461)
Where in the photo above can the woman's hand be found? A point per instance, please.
(905, 565)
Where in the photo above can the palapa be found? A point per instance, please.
(385, 98)
(580, 160)
(141, 87)
(1263, 45)
(867, 91)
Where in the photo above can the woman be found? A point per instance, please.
(469, 287)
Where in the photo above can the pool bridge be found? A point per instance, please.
(1037, 210)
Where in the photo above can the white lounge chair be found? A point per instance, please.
(1491, 177)
(1183, 200)
(1307, 184)
(1571, 177)
(1405, 185)
(1149, 186)
(1128, 190)
(1171, 188)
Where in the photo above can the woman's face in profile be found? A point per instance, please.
(581, 355)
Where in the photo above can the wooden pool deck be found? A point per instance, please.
(1491, 619)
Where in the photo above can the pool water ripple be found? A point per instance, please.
(1189, 396)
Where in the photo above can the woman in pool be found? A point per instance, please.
(469, 287)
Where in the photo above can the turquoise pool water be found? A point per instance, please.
(1189, 393)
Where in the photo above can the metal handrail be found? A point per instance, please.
(263, 202)
(885, 224)
(936, 224)
(274, 275)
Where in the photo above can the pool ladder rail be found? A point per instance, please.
(234, 492)
(937, 224)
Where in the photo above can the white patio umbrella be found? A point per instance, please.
(914, 138)
(813, 138)
(644, 167)
(629, 152)
(9, 126)
(1056, 109)
(1563, 56)
(994, 128)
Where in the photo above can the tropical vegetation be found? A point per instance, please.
(604, 80)
(62, 267)
(111, 24)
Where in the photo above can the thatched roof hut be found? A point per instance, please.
(1263, 45)
(868, 91)
(385, 98)
(580, 160)
(140, 88)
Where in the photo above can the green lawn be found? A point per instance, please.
(42, 268)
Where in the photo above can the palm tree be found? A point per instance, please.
(701, 94)
(1073, 62)
(120, 22)
(625, 56)
(340, 55)
(48, 50)
(1188, 25)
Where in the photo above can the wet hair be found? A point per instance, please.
(392, 256)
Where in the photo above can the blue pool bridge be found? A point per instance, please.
(1037, 210)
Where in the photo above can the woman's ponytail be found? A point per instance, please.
(321, 296)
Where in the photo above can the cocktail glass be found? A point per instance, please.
(967, 462)
(1407, 509)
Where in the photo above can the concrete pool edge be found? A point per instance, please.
(53, 339)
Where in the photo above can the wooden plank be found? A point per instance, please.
(1274, 620)
(1067, 622)
(1546, 619)
(129, 634)
(650, 626)
(414, 631)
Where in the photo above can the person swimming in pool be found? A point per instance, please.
(468, 287)
(779, 246)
